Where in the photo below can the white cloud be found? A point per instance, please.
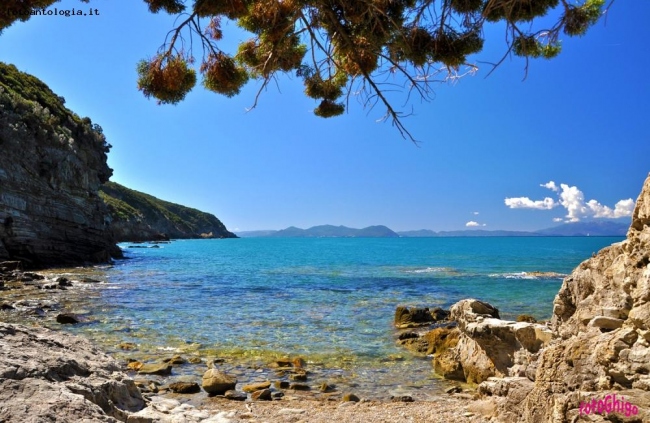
(472, 223)
(526, 203)
(557, 219)
(475, 213)
(550, 185)
(573, 200)
(622, 209)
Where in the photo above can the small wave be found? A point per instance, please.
(168, 349)
(430, 270)
(529, 275)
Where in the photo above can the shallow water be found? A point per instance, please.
(330, 301)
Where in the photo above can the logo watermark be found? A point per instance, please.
(53, 12)
(609, 404)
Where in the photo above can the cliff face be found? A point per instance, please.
(600, 342)
(51, 166)
(141, 217)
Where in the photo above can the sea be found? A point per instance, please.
(330, 301)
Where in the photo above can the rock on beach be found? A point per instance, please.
(52, 376)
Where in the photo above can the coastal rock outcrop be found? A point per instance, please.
(136, 216)
(52, 376)
(600, 348)
(52, 163)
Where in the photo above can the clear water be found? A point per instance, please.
(330, 301)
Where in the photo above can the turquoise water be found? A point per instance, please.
(329, 300)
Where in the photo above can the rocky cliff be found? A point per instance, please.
(597, 366)
(52, 163)
(137, 216)
(590, 363)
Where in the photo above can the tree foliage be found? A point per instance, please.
(340, 48)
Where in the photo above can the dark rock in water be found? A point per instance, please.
(235, 395)
(33, 276)
(63, 281)
(413, 317)
(163, 369)
(262, 395)
(6, 306)
(454, 390)
(408, 335)
(252, 387)
(299, 387)
(67, 319)
(439, 314)
(37, 311)
(185, 387)
(277, 395)
(215, 382)
(298, 377)
(281, 384)
(326, 388)
(176, 359)
(127, 346)
(212, 362)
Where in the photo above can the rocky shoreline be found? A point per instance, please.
(590, 362)
(38, 358)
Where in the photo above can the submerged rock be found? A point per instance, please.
(163, 369)
(256, 386)
(412, 317)
(67, 319)
(185, 387)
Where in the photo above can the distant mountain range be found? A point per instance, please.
(325, 231)
(588, 228)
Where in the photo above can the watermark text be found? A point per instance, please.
(53, 12)
(608, 405)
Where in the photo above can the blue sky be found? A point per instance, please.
(580, 120)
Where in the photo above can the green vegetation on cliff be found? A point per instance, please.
(137, 217)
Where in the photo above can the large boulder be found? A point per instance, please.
(52, 376)
(488, 346)
(216, 382)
